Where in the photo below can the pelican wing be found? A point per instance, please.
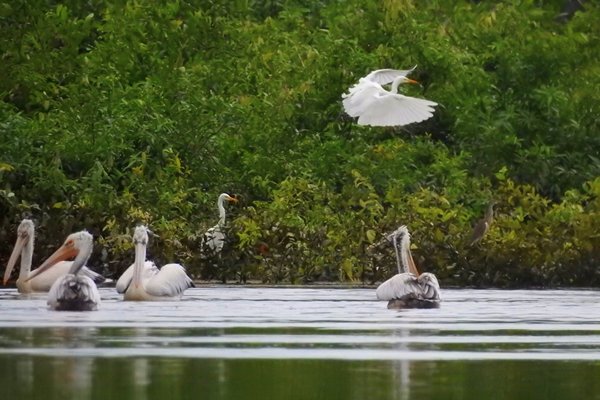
(430, 286)
(396, 110)
(398, 286)
(385, 76)
(124, 281)
(96, 277)
(170, 281)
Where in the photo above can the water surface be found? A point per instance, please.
(229, 342)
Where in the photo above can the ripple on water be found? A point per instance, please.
(311, 323)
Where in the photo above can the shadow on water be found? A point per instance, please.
(234, 343)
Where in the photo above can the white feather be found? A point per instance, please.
(416, 291)
(377, 106)
(64, 296)
(398, 286)
(385, 76)
(150, 269)
(149, 282)
(171, 280)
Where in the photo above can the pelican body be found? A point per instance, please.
(376, 106)
(73, 291)
(143, 281)
(40, 283)
(214, 238)
(408, 288)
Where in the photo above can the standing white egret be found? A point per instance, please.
(408, 289)
(144, 281)
(214, 238)
(73, 291)
(376, 106)
(42, 282)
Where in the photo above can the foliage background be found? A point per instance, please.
(125, 112)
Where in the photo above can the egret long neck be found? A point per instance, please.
(221, 211)
(138, 266)
(395, 84)
(81, 258)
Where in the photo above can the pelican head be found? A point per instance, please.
(140, 235)
(78, 245)
(26, 228)
(430, 286)
(398, 234)
(25, 234)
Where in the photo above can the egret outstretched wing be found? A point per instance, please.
(387, 75)
(387, 109)
(377, 106)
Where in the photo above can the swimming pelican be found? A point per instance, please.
(144, 281)
(483, 225)
(376, 106)
(73, 291)
(408, 289)
(214, 238)
(41, 283)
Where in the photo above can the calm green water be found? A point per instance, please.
(275, 343)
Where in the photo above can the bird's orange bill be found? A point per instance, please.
(412, 267)
(65, 252)
(232, 198)
(408, 80)
(21, 240)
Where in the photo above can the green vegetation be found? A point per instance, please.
(115, 113)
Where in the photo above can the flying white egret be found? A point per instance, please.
(42, 282)
(73, 291)
(376, 106)
(214, 238)
(143, 280)
(408, 289)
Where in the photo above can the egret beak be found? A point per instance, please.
(65, 252)
(21, 240)
(408, 80)
(232, 199)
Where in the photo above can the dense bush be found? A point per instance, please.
(114, 114)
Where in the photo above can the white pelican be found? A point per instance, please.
(408, 289)
(376, 106)
(73, 291)
(42, 282)
(144, 281)
(214, 238)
